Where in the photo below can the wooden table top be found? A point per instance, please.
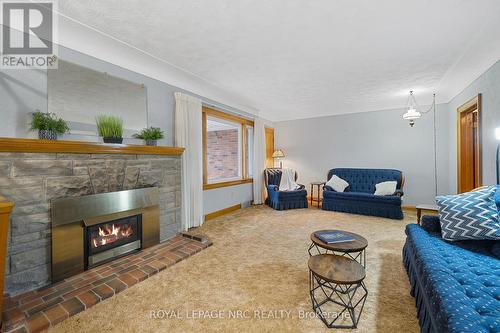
(427, 207)
(358, 244)
(336, 269)
(318, 183)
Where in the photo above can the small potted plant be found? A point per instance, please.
(48, 125)
(110, 128)
(151, 135)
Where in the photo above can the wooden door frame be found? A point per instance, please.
(266, 130)
(472, 104)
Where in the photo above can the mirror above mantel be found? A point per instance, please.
(82, 88)
(79, 94)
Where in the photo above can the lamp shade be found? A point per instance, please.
(278, 153)
(497, 133)
(412, 114)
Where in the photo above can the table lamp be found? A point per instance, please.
(279, 154)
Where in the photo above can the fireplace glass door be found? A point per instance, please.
(108, 240)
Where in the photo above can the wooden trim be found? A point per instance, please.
(472, 104)
(221, 212)
(244, 161)
(204, 146)
(409, 208)
(226, 184)
(269, 133)
(227, 116)
(6, 207)
(206, 111)
(14, 145)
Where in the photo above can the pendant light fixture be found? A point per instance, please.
(414, 112)
(413, 109)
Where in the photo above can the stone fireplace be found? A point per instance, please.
(93, 229)
(36, 181)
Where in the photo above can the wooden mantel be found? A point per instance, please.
(5, 210)
(80, 147)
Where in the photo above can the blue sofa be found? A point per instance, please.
(456, 285)
(281, 200)
(358, 198)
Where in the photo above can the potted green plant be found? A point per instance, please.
(151, 135)
(48, 125)
(110, 128)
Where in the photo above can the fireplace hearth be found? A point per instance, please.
(94, 229)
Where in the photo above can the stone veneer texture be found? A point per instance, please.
(32, 180)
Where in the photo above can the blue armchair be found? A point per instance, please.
(281, 200)
(358, 198)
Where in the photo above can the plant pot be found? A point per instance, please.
(112, 140)
(151, 142)
(47, 135)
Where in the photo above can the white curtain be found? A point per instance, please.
(188, 134)
(259, 161)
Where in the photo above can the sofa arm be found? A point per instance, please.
(399, 193)
(328, 188)
(272, 187)
(430, 223)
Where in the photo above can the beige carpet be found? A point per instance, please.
(259, 263)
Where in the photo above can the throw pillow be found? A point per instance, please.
(471, 215)
(386, 188)
(337, 183)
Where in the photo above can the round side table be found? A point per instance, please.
(355, 249)
(338, 293)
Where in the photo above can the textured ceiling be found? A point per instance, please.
(299, 59)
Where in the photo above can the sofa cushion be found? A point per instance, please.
(471, 215)
(337, 183)
(497, 197)
(364, 180)
(363, 197)
(430, 223)
(457, 284)
(386, 188)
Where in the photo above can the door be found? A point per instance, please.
(469, 145)
(269, 147)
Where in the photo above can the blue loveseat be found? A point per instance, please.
(281, 200)
(456, 285)
(358, 198)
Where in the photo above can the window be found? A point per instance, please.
(227, 149)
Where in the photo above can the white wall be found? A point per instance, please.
(380, 139)
(224, 197)
(488, 85)
(24, 91)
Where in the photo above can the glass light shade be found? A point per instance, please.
(497, 133)
(412, 114)
(278, 153)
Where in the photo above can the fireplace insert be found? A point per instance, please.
(112, 239)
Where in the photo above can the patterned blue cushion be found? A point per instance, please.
(471, 215)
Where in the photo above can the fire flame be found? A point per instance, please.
(110, 234)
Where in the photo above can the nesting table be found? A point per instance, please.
(338, 293)
(336, 280)
(355, 250)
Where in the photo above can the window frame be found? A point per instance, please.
(245, 179)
